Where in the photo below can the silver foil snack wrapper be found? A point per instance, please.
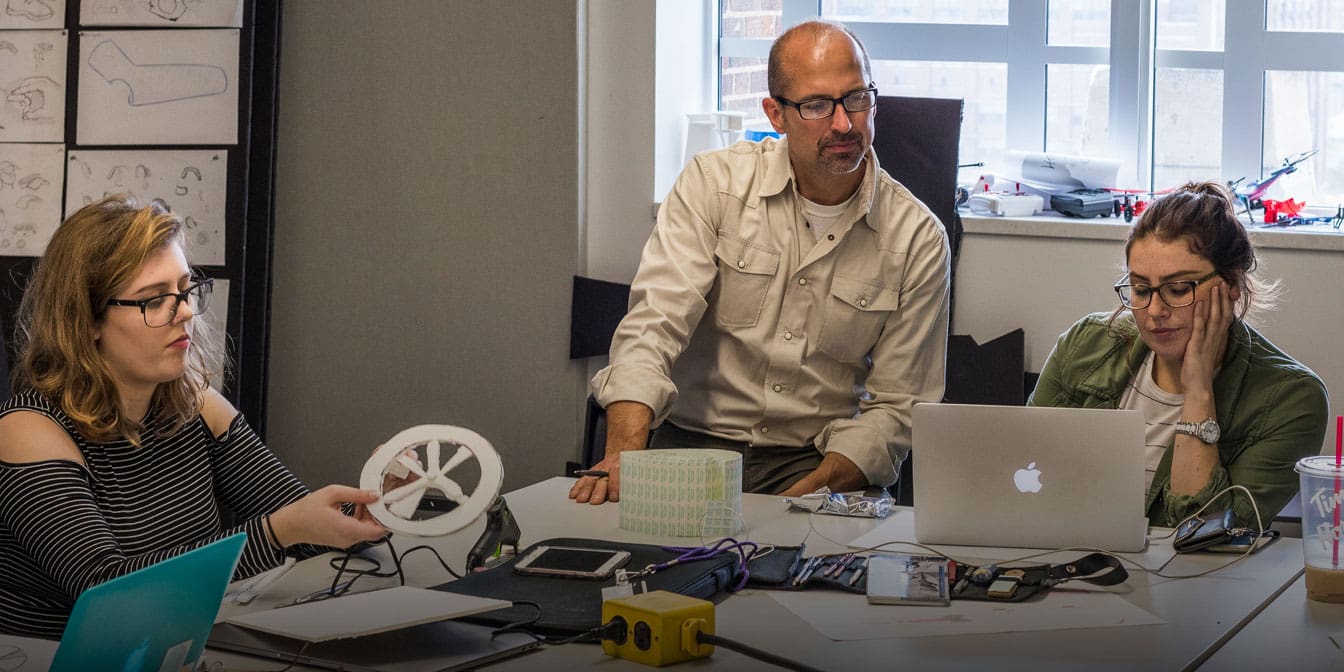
(853, 504)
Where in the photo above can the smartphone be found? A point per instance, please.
(572, 562)
(1240, 543)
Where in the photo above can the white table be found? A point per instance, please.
(1200, 613)
(1292, 632)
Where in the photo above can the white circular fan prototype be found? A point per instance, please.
(396, 507)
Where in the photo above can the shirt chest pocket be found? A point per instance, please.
(854, 317)
(745, 274)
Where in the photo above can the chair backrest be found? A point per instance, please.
(916, 142)
(977, 373)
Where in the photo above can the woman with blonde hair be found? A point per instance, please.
(115, 452)
(1224, 406)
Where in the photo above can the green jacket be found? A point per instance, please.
(1271, 409)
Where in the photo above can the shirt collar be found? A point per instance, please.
(779, 173)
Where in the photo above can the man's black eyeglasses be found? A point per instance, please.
(159, 310)
(823, 108)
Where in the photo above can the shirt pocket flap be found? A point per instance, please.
(864, 296)
(742, 255)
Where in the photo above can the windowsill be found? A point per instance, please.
(1309, 237)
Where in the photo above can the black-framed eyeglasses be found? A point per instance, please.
(162, 309)
(1176, 294)
(823, 108)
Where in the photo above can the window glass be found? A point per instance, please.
(1305, 15)
(1187, 126)
(1304, 111)
(1085, 23)
(983, 87)
(750, 18)
(917, 11)
(742, 85)
(1077, 109)
(1190, 25)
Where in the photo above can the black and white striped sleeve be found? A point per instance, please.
(50, 509)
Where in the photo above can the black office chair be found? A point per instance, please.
(988, 373)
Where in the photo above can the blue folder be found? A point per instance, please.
(156, 618)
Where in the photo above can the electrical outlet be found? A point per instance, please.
(660, 627)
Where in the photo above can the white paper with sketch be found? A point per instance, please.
(158, 87)
(161, 13)
(843, 617)
(365, 613)
(32, 85)
(31, 14)
(194, 184)
(31, 176)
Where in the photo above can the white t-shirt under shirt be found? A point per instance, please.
(821, 217)
(1161, 411)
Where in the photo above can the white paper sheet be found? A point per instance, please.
(844, 616)
(161, 13)
(31, 176)
(32, 85)
(365, 613)
(158, 87)
(25, 654)
(1062, 170)
(194, 184)
(30, 14)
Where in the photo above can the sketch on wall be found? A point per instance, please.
(194, 184)
(31, 14)
(30, 196)
(161, 13)
(32, 85)
(158, 87)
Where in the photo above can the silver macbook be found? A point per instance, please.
(1028, 477)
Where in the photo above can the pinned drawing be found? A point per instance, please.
(162, 13)
(194, 184)
(32, 92)
(158, 87)
(31, 14)
(30, 197)
(157, 83)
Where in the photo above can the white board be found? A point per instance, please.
(161, 13)
(32, 85)
(158, 87)
(194, 184)
(31, 176)
(30, 14)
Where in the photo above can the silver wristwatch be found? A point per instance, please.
(1207, 431)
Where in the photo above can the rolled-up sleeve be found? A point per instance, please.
(667, 299)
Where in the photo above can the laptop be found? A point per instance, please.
(1029, 477)
(156, 618)
(442, 646)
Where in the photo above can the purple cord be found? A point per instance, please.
(724, 545)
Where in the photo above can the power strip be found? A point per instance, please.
(660, 627)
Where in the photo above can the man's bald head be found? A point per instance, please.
(815, 32)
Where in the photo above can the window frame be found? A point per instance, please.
(1250, 50)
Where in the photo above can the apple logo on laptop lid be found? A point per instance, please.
(1028, 480)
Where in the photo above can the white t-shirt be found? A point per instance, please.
(1161, 411)
(821, 217)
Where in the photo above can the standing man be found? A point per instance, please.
(791, 304)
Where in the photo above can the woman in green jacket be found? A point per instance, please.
(1224, 406)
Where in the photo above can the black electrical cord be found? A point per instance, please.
(758, 654)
